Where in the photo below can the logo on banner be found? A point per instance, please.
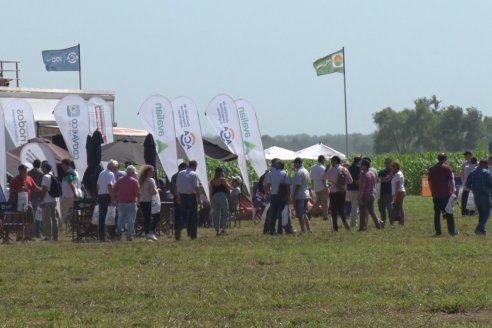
(187, 139)
(244, 122)
(72, 57)
(20, 126)
(73, 110)
(160, 120)
(248, 146)
(227, 134)
(161, 146)
(337, 60)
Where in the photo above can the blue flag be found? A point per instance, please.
(63, 59)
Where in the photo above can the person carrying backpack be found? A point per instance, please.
(338, 177)
(48, 203)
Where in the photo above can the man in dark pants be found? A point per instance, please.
(338, 177)
(189, 197)
(105, 195)
(385, 195)
(441, 186)
(480, 183)
(177, 208)
(276, 178)
(268, 197)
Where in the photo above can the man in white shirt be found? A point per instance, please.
(319, 187)
(105, 194)
(300, 194)
(48, 204)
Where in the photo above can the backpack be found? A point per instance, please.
(261, 188)
(341, 183)
(55, 187)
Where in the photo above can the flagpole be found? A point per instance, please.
(345, 98)
(80, 69)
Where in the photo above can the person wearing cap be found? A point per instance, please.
(338, 177)
(48, 204)
(441, 185)
(367, 183)
(464, 174)
(480, 183)
(320, 188)
(300, 194)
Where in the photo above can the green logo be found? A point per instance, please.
(161, 146)
(248, 146)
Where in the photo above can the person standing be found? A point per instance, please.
(367, 182)
(441, 185)
(353, 190)
(279, 185)
(480, 183)
(338, 177)
(148, 190)
(178, 220)
(320, 188)
(48, 204)
(398, 192)
(188, 197)
(70, 190)
(37, 175)
(219, 190)
(300, 194)
(127, 194)
(464, 174)
(385, 195)
(105, 194)
(267, 194)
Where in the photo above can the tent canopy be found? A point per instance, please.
(280, 153)
(314, 151)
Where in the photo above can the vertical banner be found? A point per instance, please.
(189, 135)
(72, 116)
(253, 146)
(156, 114)
(3, 151)
(100, 118)
(222, 113)
(19, 121)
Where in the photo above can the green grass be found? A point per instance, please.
(399, 277)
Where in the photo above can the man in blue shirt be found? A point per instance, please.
(480, 183)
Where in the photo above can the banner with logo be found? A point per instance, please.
(189, 135)
(253, 146)
(72, 116)
(100, 118)
(3, 158)
(19, 121)
(32, 151)
(62, 60)
(156, 114)
(222, 113)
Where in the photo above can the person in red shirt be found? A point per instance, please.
(127, 190)
(23, 182)
(441, 186)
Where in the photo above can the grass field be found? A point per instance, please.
(398, 277)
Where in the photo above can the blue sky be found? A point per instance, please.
(262, 51)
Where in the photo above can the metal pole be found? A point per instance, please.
(80, 69)
(345, 98)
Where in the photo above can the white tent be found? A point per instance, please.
(279, 152)
(314, 151)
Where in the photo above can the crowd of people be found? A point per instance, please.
(348, 192)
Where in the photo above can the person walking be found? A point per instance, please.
(219, 190)
(367, 182)
(440, 179)
(127, 194)
(300, 194)
(48, 204)
(105, 195)
(338, 177)
(480, 183)
(188, 197)
(148, 190)
(398, 192)
(320, 188)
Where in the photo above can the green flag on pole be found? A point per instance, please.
(330, 64)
